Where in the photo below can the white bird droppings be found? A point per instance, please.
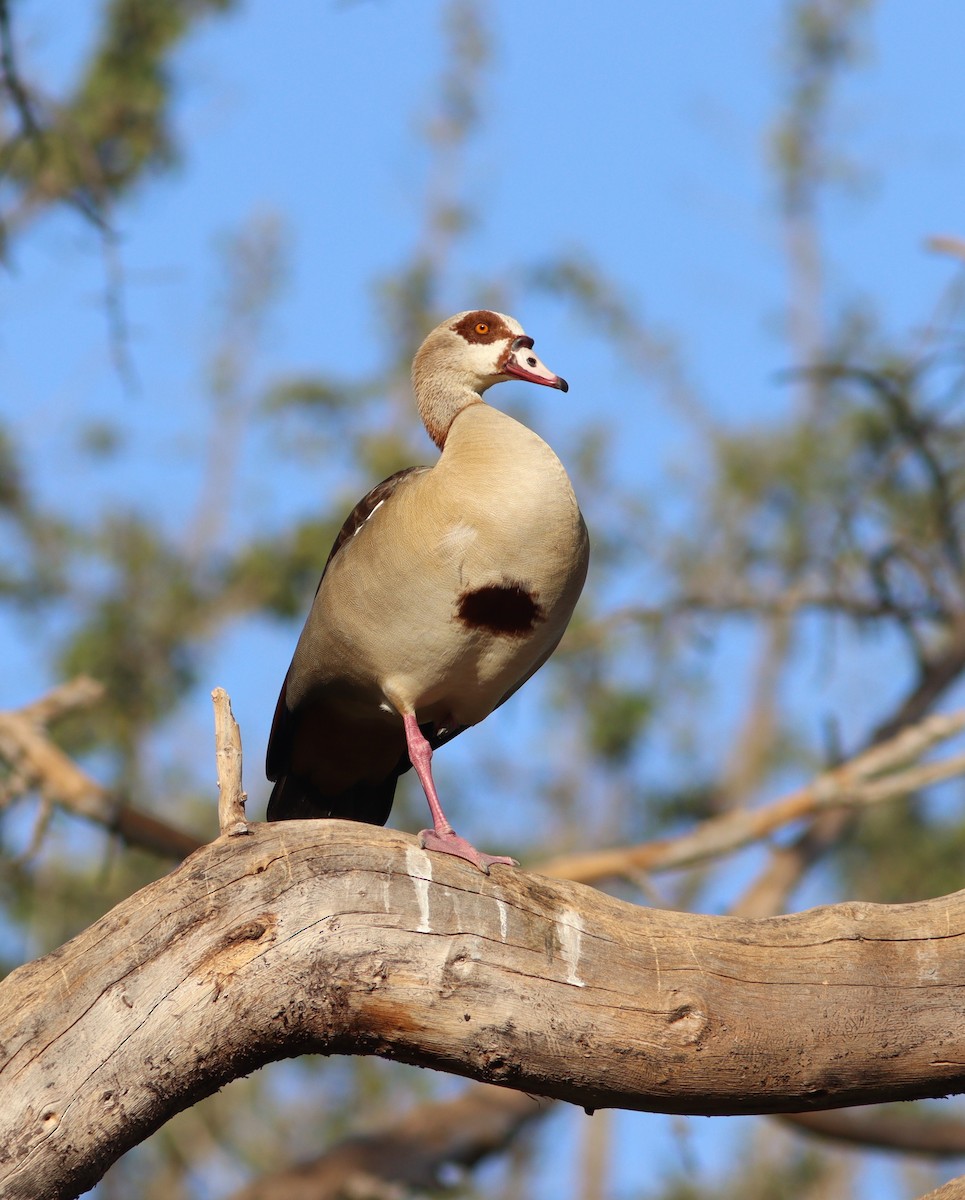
(503, 919)
(569, 928)
(419, 867)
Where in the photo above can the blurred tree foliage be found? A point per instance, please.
(91, 147)
(839, 524)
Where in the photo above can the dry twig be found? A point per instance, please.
(227, 742)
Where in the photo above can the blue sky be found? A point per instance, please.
(634, 134)
(636, 137)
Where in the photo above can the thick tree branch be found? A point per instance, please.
(334, 938)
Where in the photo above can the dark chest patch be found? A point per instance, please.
(507, 610)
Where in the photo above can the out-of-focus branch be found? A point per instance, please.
(82, 692)
(413, 1151)
(410, 1152)
(878, 774)
(35, 762)
(947, 244)
(822, 44)
(736, 600)
(35, 132)
(768, 893)
(936, 674)
(936, 1137)
(10, 78)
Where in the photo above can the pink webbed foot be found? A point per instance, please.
(442, 837)
(452, 843)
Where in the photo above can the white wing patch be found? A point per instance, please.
(371, 515)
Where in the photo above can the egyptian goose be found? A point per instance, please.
(447, 587)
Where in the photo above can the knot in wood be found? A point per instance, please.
(688, 1022)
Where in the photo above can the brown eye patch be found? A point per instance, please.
(482, 327)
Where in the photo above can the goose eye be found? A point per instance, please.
(482, 328)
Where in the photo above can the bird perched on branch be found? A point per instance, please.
(447, 587)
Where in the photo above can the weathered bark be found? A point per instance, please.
(338, 938)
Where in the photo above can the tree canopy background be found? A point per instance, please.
(732, 228)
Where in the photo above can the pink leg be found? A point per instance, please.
(441, 836)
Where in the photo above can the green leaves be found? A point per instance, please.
(93, 145)
(616, 720)
(135, 634)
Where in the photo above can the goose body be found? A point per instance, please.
(446, 589)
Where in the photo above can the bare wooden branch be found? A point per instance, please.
(227, 741)
(330, 937)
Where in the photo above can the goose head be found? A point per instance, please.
(466, 354)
